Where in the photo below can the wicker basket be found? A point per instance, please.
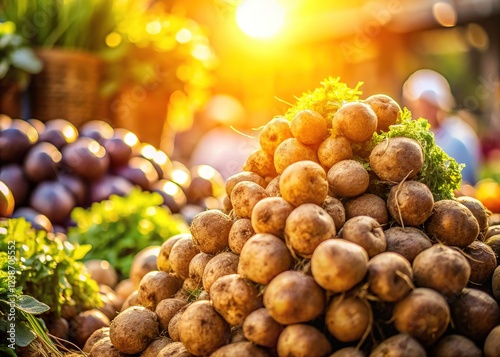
(67, 87)
(144, 112)
(10, 99)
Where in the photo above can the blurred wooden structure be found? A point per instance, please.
(68, 86)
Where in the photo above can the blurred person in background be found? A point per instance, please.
(220, 137)
(427, 94)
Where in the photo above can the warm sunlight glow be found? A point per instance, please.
(148, 151)
(151, 211)
(160, 157)
(96, 149)
(4, 190)
(444, 14)
(103, 264)
(70, 133)
(205, 171)
(179, 176)
(145, 226)
(153, 27)
(33, 135)
(113, 39)
(183, 36)
(201, 52)
(260, 18)
(171, 188)
(131, 139)
(166, 43)
(184, 73)
(178, 97)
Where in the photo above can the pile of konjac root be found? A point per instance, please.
(307, 261)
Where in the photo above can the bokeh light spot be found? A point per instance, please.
(171, 188)
(183, 36)
(201, 52)
(445, 14)
(260, 18)
(477, 36)
(130, 139)
(113, 39)
(153, 27)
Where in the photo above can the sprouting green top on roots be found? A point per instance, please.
(326, 99)
(440, 172)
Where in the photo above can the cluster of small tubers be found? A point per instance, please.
(308, 260)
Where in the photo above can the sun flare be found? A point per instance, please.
(260, 18)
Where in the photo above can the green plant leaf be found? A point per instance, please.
(5, 40)
(6, 351)
(24, 335)
(4, 67)
(326, 99)
(120, 227)
(79, 251)
(4, 325)
(25, 59)
(49, 270)
(31, 305)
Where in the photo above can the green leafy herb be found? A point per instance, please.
(326, 99)
(49, 269)
(120, 227)
(440, 172)
(18, 325)
(7, 283)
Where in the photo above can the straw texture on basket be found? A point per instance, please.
(67, 87)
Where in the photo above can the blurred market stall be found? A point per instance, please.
(160, 61)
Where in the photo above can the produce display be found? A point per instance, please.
(50, 267)
(120, 227)
(42, 276)
(52, 167)
(341, 236)
(19, 320)
(93, 194)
